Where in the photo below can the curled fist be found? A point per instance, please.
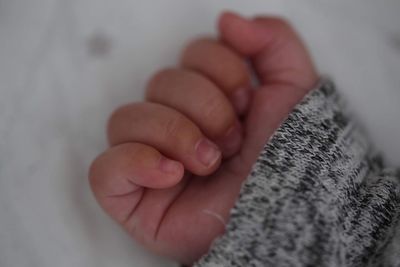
(176, 162)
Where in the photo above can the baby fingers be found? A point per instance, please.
(202, 102)
(168, 131)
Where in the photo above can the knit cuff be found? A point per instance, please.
(298, 199)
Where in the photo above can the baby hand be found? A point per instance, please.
(177, 161)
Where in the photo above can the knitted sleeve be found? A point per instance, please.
(317, 196)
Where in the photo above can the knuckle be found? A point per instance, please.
(173, 126)
(199, 51)
(159, 79)
(118, 114)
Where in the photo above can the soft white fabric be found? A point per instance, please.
(66, 64)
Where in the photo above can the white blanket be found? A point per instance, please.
(66, 64)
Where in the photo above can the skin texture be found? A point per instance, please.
(177, 161)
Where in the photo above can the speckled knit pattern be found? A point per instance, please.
(317, 196)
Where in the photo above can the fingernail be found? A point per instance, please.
(207, 152)
(169, 166)
(240, 100)
(232, 140)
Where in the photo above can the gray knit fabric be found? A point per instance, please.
(317, 196)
